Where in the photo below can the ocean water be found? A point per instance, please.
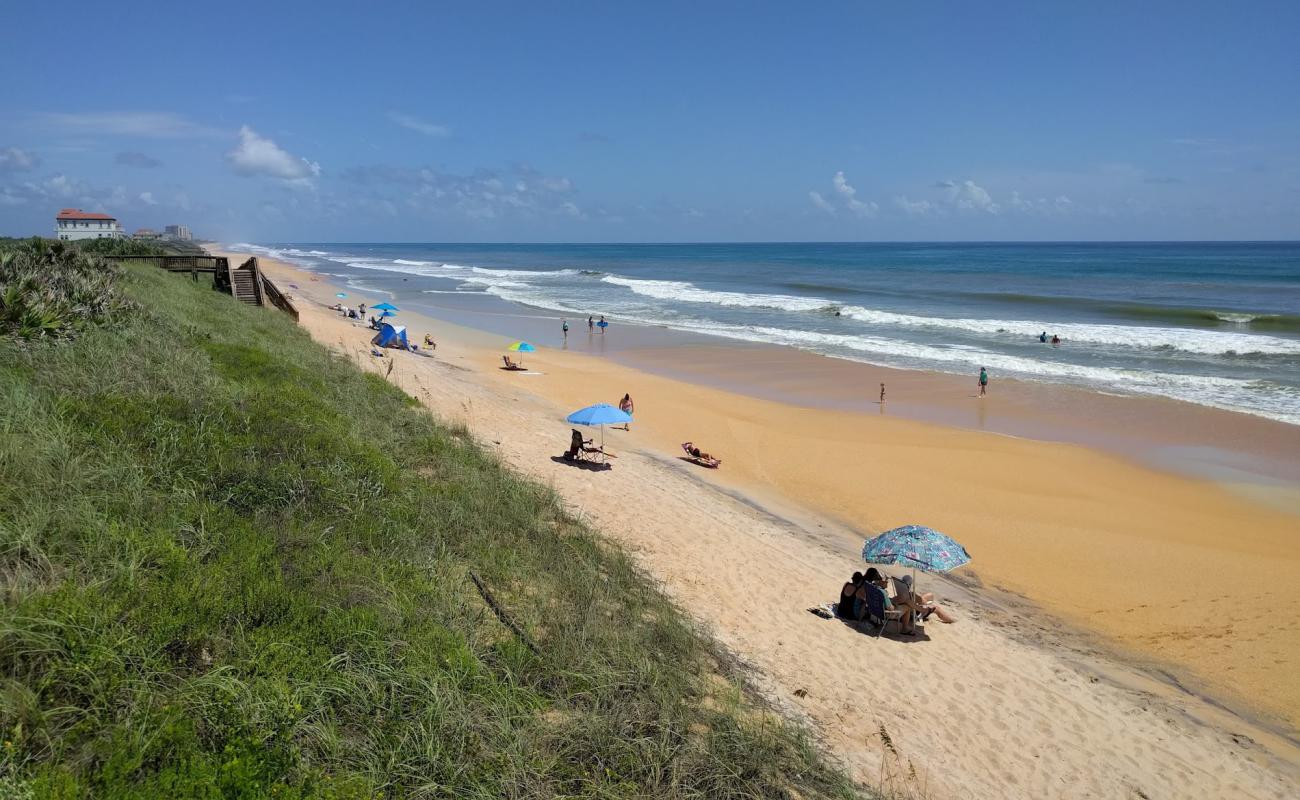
(1211, 323)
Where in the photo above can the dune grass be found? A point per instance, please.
(234, 565)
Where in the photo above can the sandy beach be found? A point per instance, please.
(1145, 674)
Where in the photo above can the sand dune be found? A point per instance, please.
(1005, 703)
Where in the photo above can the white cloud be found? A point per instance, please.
(14, 160)
(847, 196)
(820, 202)
(62, 186)
(968, 196)
(418, 125)
(147, 199)
(134, 159)
(483, 194)
(257, 155)
(1041, 206)
(155, 124)
(915, 208)
(8, 198)
(850, 197)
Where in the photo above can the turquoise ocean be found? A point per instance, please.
(1216, 324)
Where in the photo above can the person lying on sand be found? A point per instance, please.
(697, 453)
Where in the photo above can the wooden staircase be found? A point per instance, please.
(245, 284)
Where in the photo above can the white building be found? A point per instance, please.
(181, 232)
(73, 223)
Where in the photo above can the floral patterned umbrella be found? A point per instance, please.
(916, 546)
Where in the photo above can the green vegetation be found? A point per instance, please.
(48, 289)
(121, 247)
(111, 247)
(234, 565)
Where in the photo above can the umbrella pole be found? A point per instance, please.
(602, 444)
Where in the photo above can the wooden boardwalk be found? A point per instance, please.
(245, 282)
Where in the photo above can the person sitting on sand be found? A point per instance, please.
(907, 620)
(922, 605)
(429, 342)
(850, 607)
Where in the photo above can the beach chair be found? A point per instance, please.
(581, 449)
(878, 613)
(574, 453)
(691, 455)
(510, 365)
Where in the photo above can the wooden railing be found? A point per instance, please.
(267, 291)
(222, 275)
(191, 264)
(277, 298)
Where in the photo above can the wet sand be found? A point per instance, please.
(1135, 555)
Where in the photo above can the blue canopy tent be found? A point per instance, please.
(391, 336)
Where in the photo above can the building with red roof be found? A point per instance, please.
(73, 223)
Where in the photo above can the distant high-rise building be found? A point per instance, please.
(181, 232)
(73, 223)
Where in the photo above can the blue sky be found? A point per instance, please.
(665, 121)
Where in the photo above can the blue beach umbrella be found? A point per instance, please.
(387, 314)
(385, 307)
(522, 347)
(601, 414)
(915, 546)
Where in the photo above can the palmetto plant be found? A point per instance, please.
(48, 290)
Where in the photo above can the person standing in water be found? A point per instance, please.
(564, 326)
(591, 324)
(984, 381)
(602, 324)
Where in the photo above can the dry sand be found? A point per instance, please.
(1005, 703)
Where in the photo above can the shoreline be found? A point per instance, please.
(1248, 453)
(774, 487)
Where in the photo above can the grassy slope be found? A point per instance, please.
(235, 566)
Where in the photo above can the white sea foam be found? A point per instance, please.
(1252, 397)
(689, 292)
(1186, 339)
(491, 280)
(525, 273)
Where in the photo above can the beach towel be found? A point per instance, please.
(825, 610)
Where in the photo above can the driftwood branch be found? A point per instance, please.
(502, 615)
